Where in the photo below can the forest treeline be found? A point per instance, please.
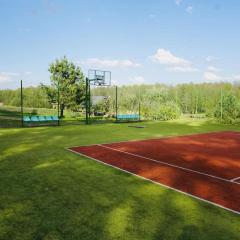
(163, 102)
(157, 101)
(34, 97)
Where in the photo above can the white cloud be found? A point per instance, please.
(211, 76)
(7, 76)
(182, 69)
(213, 69)
(189, 9)
(174, 63)
(165, 57)
(137, 80)
(214, 76)
(110, 63)
(178, 2)
(211, 58)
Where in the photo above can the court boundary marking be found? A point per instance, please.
(172, 165)
(152, 181)
(235, 179)
(156, 138)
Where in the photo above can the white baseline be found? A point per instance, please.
(171, 165)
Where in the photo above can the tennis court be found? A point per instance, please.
(204, 166)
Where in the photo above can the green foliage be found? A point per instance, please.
(51, 94)
(164, 102)
(228, 109)
(157, 101)
(168, 111)
(102, 106)
(69, 79)
(32, 97)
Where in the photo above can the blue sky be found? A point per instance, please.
(147, 41)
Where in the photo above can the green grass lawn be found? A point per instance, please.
(47, 192)
(11, 116)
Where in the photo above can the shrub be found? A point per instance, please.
(167, 111)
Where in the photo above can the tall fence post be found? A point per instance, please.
(89, 101)
(58, 103)
(21, 103)
(139, 104)
(86, 101)
(116, 103)
(221, 105)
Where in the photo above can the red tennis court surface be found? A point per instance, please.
(206, 166)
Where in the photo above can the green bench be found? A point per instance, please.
(128, 117)
(40, 120)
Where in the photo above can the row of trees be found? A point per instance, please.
(163, 102)
(157, 101)
(34, 97)
(67, 87)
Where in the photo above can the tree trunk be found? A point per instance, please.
(62, 109)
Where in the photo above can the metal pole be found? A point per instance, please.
(221, 105)
(116, 104)
(139, 104)
(196, 106)
(21, 103)
(89, 101)
(86, 100)
(58, 102)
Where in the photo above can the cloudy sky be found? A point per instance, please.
(147, 41)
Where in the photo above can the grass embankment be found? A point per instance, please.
(47, 192)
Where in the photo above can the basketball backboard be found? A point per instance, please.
(99, 77)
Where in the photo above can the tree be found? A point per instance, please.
(70, 81)
(228, 109)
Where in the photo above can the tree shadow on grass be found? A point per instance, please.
(48, 192)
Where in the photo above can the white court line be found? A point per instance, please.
(152, 181)
(171, 165)
(156, 138)
(234, 179)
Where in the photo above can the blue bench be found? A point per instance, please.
(127, 117)
(40, 120)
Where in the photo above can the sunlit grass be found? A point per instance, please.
(47, 192)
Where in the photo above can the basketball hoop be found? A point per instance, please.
(99, 77)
